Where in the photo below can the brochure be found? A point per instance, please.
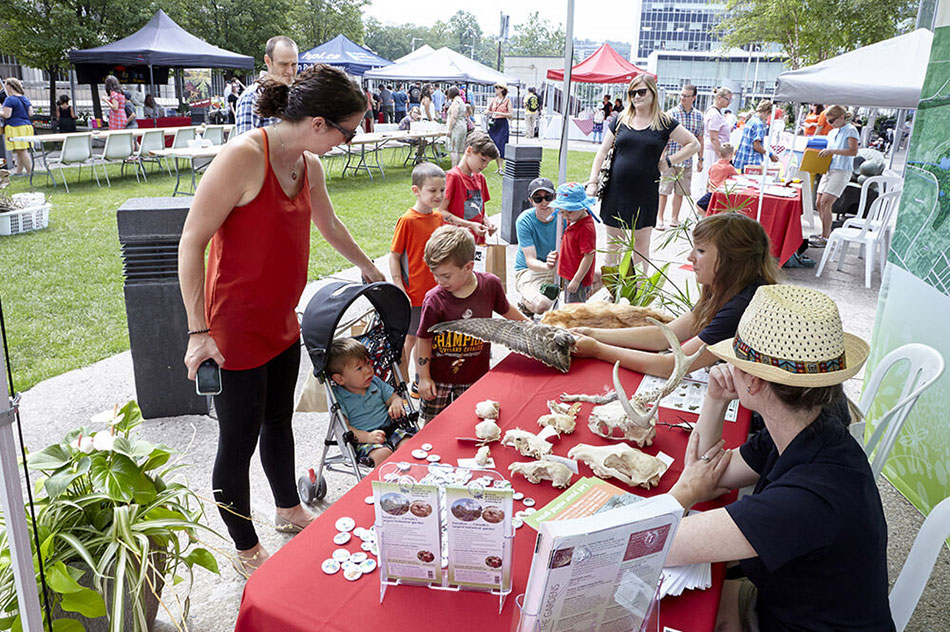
(478, 528)
(409, 532)
(599, 573)
(584, 498)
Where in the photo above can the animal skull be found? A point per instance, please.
(562, 417)
(487, 409)
(487, 430)
(528, 444)
(622, 462)
(642, 409)
(558, 473)
(483, 456)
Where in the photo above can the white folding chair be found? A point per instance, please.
(118, 149)
(919, 563)
(214, 133)
(924, 366)
(77, 150)
(883, 184)
(151, 140)
(182, 136)
(870, 236)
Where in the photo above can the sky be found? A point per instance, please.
(616, 23)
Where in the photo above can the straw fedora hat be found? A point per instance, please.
(792, 335)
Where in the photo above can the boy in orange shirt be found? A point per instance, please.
(407, 265)
(466, 190)
(719, 172)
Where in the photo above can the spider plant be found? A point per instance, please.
(112, 527)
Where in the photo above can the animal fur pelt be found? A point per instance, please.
(550, 345)
(601, 314)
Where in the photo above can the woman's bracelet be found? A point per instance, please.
(195, 332)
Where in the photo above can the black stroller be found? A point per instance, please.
(389, 313)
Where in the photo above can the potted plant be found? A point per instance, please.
(112, 528)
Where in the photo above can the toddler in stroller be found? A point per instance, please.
(323, 325)
(369, 404)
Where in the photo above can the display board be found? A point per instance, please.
(915, 290)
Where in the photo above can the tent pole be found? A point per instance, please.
(518, 117)
(566, 100)
(151, 82)
(898, 136)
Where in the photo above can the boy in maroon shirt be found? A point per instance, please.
(466, 190)
(448, 363)
(577, 251)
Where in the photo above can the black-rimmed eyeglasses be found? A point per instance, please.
(348, 135)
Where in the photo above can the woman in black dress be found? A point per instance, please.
(65, 115)
(631, 200)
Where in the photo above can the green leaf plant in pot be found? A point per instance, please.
(112, 526)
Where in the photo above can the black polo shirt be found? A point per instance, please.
(815, 519)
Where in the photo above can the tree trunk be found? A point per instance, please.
(96, 105)
(52, 95)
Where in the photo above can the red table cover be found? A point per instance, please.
(781, 217)
(290, 593)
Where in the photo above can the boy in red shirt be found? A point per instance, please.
(577, 252)
(449, 363)
(466, 190)
(407, 265)
(718, 173)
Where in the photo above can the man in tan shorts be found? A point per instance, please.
(537, 248)
(678, 180)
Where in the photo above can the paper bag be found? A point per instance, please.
(496, 262)
(313, 397)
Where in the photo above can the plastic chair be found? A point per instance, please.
(118, 149)
(77, 150)
(180, 140)
(871, 236)
(919, 563)
(925, 366)
(884, 184)
(151, 140)
(214, 133)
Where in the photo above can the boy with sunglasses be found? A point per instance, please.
(537, 248)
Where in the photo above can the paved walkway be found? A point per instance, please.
(55, 406)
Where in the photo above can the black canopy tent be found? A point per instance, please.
(160, 43)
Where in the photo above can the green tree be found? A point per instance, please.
(40, 34)
(464, 31)
(241, 26)
(393, 42)
(537, 37)
(810, 31)
(314, 22)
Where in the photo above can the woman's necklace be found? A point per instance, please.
(293, 169)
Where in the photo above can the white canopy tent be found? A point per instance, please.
(423, 50)
(443, 64)
(887, 74)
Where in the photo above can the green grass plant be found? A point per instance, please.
(62, 291)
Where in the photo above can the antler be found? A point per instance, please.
(642, 415)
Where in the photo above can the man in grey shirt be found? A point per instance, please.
(387, 104)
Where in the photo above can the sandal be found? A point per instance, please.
(286, 525)
(246, 565)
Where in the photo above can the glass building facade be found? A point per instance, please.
(677, 25)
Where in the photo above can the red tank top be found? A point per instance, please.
(257, 270)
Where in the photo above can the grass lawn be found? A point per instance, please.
(62, 292)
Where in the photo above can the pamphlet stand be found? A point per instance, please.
(531, 621)
(441, 475)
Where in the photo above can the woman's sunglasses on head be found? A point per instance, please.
(541, 197)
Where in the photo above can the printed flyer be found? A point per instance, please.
(478, 525)
(408, 528)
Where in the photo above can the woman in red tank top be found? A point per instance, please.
(254, 205)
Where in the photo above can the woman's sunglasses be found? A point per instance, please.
(638, 92)
(541, 197)
(348, 135)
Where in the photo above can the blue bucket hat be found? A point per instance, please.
(572, 197)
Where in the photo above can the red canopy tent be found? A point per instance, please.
(605, 65)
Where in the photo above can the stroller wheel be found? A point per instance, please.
(311, 492)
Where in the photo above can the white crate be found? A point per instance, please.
(24, 220)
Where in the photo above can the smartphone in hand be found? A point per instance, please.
(208, 380)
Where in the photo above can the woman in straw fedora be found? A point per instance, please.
(811, 539)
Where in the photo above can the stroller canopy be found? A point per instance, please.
(328, 305)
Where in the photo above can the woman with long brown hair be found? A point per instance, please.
(632, 199)
(731, 258)
(255, 205)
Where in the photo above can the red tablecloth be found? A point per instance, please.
(781, 217)
(290, 593)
